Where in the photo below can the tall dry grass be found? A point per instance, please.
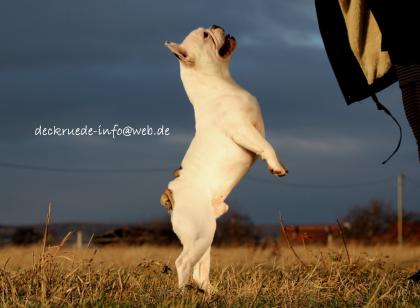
(142, 276)
(58, 275)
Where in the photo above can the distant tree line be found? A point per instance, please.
(374, 222)
(377, 222)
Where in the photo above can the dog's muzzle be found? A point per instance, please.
(228, 46)
(214, 27)
(229, 42)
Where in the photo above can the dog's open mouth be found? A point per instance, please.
(228, 46)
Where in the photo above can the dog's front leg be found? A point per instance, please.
(219, 206)
(248, 137)
(177, 172)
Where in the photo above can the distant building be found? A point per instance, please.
(312, 234)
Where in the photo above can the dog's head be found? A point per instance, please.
(204, 48)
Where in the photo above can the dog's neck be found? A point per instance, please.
(201, 87)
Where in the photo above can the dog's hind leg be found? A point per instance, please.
(183, 268)
(201, 272)
(196, 239)
(190, 257)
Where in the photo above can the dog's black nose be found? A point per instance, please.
(217, 27)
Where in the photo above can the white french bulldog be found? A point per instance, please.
(229, 137)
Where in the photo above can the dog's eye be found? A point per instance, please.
(205, 34)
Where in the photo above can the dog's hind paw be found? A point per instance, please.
(167, 200)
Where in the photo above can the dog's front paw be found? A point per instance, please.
(278, 171)
(219, 207)
(177, 172)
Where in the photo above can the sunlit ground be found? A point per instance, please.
(240, 275)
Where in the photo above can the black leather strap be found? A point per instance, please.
(380, 106)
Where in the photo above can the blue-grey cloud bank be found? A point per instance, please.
(76, 63)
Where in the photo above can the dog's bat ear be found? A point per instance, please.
(179, 52)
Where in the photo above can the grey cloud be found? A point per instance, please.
(95, 32)
(72, 63)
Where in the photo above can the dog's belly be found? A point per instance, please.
(214, 162)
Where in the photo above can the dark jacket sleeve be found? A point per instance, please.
(399, 23)
(348, 73)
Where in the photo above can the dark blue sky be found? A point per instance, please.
(71, 63)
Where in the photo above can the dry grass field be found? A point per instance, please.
(242, 276)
